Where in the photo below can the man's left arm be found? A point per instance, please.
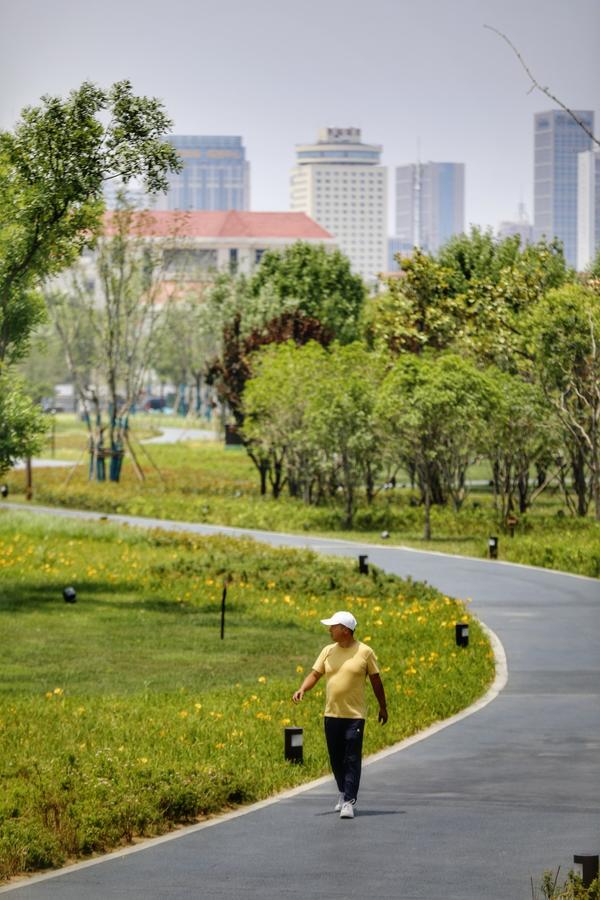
(377, 685)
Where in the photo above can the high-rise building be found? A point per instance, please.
(588, 208)
(215, 174)
(558, 139)
(430, 203)
(520, 226)
(340, 183)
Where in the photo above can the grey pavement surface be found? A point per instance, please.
(470, 813)
(174, 435)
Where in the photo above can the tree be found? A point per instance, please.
(318, 282)
(312, 410)
(342, 419)
(566, 337)
(183, 349)
(432, 412)
(239, 322)
(52, 169)
(474, 297)
(22, 425)
(520, 433)
(277, 404)
(108, 325)
(419, 310)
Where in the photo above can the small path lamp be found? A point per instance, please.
(589, 867)
(293, 745)
(462, 634)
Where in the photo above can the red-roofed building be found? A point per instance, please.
(201, 242)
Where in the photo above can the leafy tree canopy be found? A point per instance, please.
(22, 424)
(52, 170)
(476, 294)
(318, 282)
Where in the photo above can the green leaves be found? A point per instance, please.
(52, 170)
(319, 282)
(22, 424)
(313, 409)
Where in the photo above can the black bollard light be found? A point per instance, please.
(589, 867)
(462, 634)
(293, 745)
(363, 566)
(493, 547)
(70, 595)
(4, 490)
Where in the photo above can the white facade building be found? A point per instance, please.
(588, 207)
(340, 184)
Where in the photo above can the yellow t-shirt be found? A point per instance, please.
(346, 670)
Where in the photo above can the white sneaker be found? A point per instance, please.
(347, 811)
(339, 804)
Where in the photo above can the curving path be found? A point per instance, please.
(468, 814)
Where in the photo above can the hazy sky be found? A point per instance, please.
(421, 74)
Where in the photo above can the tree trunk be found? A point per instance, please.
(369, 484)
(436, 488)
(349, 495)
(276, 477)
(523, 489)
(579, 482)
(198, 387)
(427, 507)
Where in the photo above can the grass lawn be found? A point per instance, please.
(124, 713)
(204, 482)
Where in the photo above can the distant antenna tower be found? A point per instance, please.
(523, 218)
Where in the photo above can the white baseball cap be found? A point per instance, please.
(341, 618)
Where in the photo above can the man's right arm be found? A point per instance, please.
(308, 683)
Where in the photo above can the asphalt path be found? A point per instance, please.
(472, 812)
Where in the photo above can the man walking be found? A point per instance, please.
(345, 664)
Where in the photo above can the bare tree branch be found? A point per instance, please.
(535, 84)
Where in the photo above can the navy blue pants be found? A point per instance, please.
(344, 741)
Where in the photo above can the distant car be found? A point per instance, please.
(155, 404)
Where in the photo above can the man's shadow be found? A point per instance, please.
(363, 813)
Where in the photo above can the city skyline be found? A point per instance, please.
(425, 83)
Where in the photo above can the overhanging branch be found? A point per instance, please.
(535, 84)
